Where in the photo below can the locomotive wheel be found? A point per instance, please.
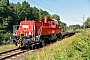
(57, 39)
(32, 46)
(60, 36)
(28, 46)
(43, 43)
(18, 45)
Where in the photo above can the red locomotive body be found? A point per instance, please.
(30, 32)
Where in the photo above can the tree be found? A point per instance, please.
(5, 14)
(55, 16)
(25, 10)
(4, 2)
(87, 23)
(45, 14)
(34, 13)
(63, 26)
(17, 12)
(40, 14)
(74, 27)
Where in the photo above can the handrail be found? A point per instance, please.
(39, 32)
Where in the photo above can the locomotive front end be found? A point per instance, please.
(23, 33)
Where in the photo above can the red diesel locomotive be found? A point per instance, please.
(34, 32)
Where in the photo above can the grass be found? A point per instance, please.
(7, 47)
(76, 47)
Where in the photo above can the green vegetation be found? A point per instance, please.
(7, 47)
(76, 47)
(87, 23)
(74, 27)
(4, 38)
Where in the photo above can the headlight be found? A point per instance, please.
(29, 33)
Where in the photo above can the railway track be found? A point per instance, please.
(12, 54)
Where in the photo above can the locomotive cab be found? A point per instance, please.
(50, 21)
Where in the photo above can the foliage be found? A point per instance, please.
(74, 27)
(55, 16)
(87, 23)
(63, 26)
(7, 47)
(4, 38)
(76, 47)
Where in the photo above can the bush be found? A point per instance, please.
(5, 38)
